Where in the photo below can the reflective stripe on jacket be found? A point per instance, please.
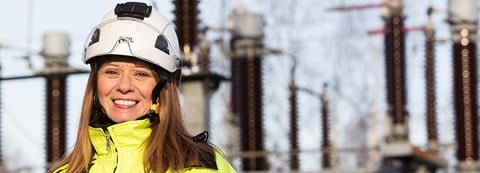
(120, 149)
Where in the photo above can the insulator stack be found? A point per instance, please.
(465, 84)
(55, 52)
(294, 164)
(249, 108)
(326, 146)
(56, 113)
(397, 127)
(463, 19)
(186, 23)
(238, 77)
(432, 135)
(395, 72)
(247, 88)
(465, 69)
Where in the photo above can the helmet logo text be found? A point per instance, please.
(125, 39)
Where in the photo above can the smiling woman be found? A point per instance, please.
(131, 117)
(125, 86)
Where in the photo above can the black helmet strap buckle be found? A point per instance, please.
(137, 10)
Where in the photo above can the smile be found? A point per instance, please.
(125, 102)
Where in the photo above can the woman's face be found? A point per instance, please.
(124, 88)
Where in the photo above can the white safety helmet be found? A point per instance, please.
(135, 29)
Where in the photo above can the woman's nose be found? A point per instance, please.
(125, 84)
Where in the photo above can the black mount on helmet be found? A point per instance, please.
(201, 137)
(137, 10)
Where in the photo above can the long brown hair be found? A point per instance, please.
(170, 146)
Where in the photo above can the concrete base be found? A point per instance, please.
(359, 170)
(406, 150)
(402, 157)
(397, 149)
(196, 106)
(468, 167)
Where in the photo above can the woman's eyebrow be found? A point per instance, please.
(141, 65)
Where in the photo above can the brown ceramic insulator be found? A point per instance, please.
(186, 22)
(465, 93)
(395, 69)
(326, 155)
(56, 113)
(294, 163)
(430, 88)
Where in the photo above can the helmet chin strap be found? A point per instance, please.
(103, 120)
(153, 114)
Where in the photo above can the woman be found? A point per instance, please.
(131, 117)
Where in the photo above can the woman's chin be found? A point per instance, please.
(120, 119)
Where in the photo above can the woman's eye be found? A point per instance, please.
(142, 74)
(111, 72)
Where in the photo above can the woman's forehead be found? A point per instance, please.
(116, 59)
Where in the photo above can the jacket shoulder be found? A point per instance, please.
(223, 166)
(62, 169)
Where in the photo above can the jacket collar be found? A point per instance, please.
(122, 136)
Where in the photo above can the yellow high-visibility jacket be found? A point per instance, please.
(120, 149)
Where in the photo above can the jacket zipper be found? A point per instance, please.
(107, 138)
(107, 144)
